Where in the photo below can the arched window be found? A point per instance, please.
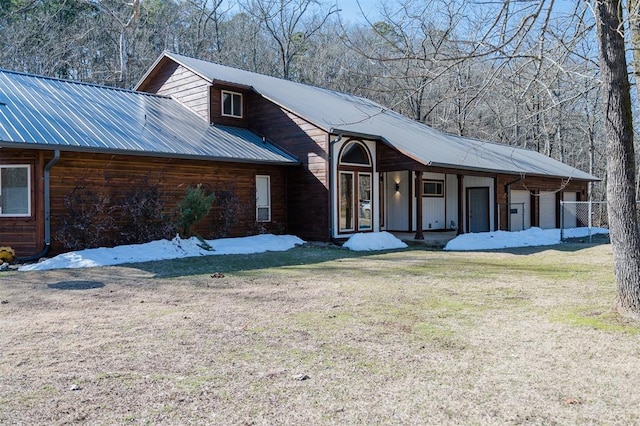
(355, 153)
(355, 176)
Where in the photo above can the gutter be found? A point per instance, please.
(47, 211)
(331, 193)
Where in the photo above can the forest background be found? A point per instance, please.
(520, 73)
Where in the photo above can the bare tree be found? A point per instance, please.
(291, 24)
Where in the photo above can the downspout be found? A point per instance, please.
(47, 210)
(507, 189)
(331, 194)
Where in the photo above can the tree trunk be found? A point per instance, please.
(625, 238)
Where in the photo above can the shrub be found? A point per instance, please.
(230, 210)
(192, 209)
(142, 215)
(88, 219)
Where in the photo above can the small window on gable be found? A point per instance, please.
(355, 153)
(433, 188)
(263, 198)
(231, 104)
(15, 190)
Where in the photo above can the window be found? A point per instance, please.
(263, 198)
(433, 188)
(346, 201)
(356, 154)
(355, 180)
(231, 104)
(15, 190)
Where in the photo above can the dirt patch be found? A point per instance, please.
(411, 337)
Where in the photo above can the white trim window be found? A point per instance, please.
(15, 190)
(263, 198)
(432, 188)
(231, 104)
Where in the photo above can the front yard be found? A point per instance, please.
(322, 336)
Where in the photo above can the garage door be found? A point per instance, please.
(548, 210)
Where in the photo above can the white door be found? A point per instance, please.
(520, 210)
(548, 210)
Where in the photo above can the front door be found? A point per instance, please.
(478, 209)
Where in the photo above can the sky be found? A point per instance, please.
(350, 10)
(372, 241)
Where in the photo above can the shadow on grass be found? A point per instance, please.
(571, 246)
(233, 263)
(76, 285)
(306, 256)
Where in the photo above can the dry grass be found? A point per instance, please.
(410, 337)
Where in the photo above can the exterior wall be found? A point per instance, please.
(25, 234)
(480, 182)
(451, 194)
(176, 81)
(117, 174)
(434, 209)
(307, 184)
(397, 202)
(536, 185)
(519, 210)
(216, 107)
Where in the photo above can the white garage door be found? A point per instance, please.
(520, 210)
(548, 210)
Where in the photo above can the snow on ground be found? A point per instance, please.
(178, 247)
(165, 249)
(528, 238)
(373, 241)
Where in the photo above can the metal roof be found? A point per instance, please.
(43, 112)
(337, 112)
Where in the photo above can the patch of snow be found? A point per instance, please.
(373, 241)
(529, 238)
(165, 249)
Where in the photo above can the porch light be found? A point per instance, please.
(397, 187)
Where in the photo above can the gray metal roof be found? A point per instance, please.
(43, 112)
(337, 112)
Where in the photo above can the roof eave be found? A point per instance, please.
(79, 149)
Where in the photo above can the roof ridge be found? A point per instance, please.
(173, 55)
(81, 83)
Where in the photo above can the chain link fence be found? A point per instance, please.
(581, 214)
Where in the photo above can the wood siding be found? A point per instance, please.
(25, 234)
(115, 175)
(185, 86)
(216, 107)
(308, 184)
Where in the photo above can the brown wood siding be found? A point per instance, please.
(216, 107)
(178, 82)
(391, 160)
(117, 174)
(535, 185)
(308, 184)
(24, 234)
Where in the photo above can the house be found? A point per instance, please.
(321, 164)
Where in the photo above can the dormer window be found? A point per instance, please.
(231, 104)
